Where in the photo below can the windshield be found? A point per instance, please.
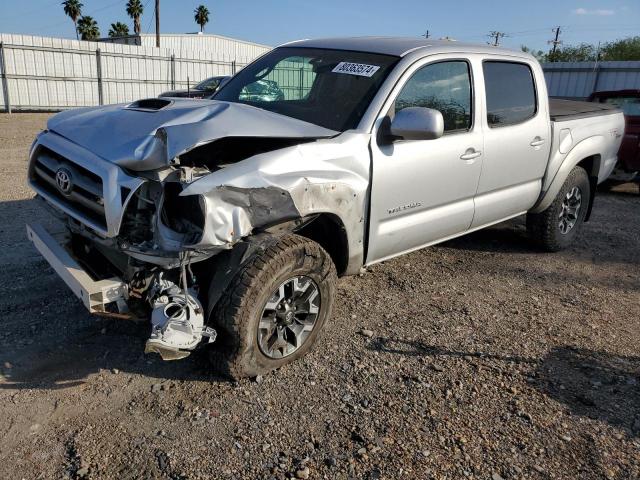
(330, 88)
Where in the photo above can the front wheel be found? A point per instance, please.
(556, 228)
(273, 311)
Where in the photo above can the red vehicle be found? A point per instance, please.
(628, 168)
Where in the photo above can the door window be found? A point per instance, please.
(511, 93)
(443, 86)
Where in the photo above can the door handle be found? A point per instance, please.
(470, 154)
(536, 142)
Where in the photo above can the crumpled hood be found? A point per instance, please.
(144, 139)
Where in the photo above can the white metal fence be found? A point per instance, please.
(581, 79)
(43, 73)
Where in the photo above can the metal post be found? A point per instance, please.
(173, 71)
(596, 78)
(158, 23)
(233, 67)
(99, 73)
(301, 81)
(5, 80)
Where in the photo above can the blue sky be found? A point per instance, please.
(276, 21)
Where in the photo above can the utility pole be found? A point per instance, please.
(555, 41)
(426, 35)
(158, 23)
(496, 38)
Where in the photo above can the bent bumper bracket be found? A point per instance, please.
(95, 294)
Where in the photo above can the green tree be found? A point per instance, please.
(88, 28)
(135, 9)
(201, 16)
(119, 29)
(583, 52)
(538, 54)
(619, 50)
(73, 10)
(626, 49)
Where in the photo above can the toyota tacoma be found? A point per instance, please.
(227, 221)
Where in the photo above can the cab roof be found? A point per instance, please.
(401, 46)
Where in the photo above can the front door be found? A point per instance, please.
(422, 190)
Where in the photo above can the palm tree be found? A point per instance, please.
(73, 10)
(118, 29)
(201, 16)
(135, 10)
(88, 28)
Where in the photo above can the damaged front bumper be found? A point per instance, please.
(96, 295)
(177, 317)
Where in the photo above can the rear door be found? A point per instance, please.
(517, 139)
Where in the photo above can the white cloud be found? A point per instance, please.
(597, 12)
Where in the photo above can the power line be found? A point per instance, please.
(426, 34)
(91, 13)
(152, 17)
(565, 29)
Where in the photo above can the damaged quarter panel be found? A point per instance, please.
(326, 176)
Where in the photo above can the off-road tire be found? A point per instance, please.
(239, 310)
(543, 228)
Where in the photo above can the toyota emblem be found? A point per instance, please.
(63, 181)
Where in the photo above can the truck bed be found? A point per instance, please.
(563, 110)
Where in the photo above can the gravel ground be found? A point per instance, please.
(480, 358)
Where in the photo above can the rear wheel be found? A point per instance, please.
(273, 311)
(556, 227)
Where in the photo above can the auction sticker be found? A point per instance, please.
(360, 69)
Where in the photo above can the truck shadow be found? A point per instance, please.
(592, 384)
(101, 346)
(506, 237)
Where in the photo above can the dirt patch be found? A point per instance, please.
(485, 359)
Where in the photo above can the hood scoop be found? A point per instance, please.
(149, 104)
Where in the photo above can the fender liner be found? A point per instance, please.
(227, 263)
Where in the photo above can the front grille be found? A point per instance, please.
(85, 194)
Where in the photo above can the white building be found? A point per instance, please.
(225, 48)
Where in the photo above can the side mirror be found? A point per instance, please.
(417, 123)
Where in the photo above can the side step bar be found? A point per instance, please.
(94, 294)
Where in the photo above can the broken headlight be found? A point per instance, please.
(184, 215)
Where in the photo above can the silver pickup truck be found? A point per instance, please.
(230, 219)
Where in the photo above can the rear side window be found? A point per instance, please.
(511, 93)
